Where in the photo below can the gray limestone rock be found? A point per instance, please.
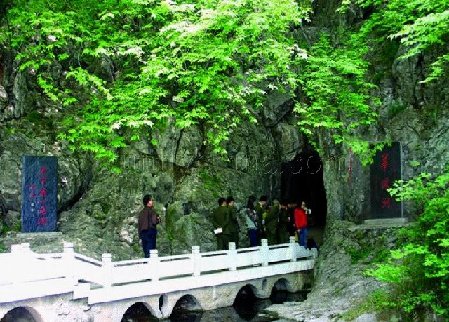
(276, 107)
(188, 146)
(289, 140)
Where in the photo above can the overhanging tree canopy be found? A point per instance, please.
(132, 63)
(113, 67)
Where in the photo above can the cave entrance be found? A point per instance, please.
(302, 179)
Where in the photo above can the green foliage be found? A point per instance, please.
(3, 248)
(419, 269)
(112, 68)
(115, 67)
(336, 95)
(211, 182)
(396, 108)
(420, 25)
(377, 301)
(368, 253)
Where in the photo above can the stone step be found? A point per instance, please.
(382, 223)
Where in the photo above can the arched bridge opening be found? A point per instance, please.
(137, 311)
(244, 303)
(282, 291)
(187, 308)
(22, 314)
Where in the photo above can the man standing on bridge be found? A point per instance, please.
(221, 220)
(148, 219)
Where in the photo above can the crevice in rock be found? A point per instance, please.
(82, 189)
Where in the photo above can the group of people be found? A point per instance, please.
(276, 222)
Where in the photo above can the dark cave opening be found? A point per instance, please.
(302, 180)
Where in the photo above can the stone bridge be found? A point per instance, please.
(69, 286)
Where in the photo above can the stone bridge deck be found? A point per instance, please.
(72, 287)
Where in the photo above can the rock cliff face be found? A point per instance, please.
(98, 209)
(183, 173)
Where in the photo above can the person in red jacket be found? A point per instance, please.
(300, 215)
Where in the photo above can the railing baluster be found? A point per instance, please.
(106, 260)
(264, 251)
(68, 263)
(154, 261)
(196, 257)
(25, 248)
(292, 246)
(232, 256)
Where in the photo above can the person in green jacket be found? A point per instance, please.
(260, 208)
(271, 222)
(282, 228)
(221, 222)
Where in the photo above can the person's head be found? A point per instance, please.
(230, 201)
(284, 203)
(303, 204)
(250, 202)
(263, 200)
(148, 200)
(221, 201)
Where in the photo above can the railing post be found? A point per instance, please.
(19, 259)
(16, 248)
(196, 257)
(25, 248)
(68, 262)
(153, 261)
(232, 255)
(106, 260)
(264, 252)
(292, 247)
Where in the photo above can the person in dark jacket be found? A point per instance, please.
(282, 233)
(221, 220)
(291, 218)
(234, 224)
(271, 222)
(260, 209)
(148, 219)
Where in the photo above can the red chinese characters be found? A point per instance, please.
(385, 182)
(384, 161)
(386, 202)
(42, 220)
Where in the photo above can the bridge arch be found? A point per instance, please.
(261, 288)
(22, 312)
(138, 309)
(246, 293)
(186, 302)
(282, 284)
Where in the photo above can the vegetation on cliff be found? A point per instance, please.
(111, 68)
(419, 269)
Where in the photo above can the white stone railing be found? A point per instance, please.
(23, 271)
(158, 268)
